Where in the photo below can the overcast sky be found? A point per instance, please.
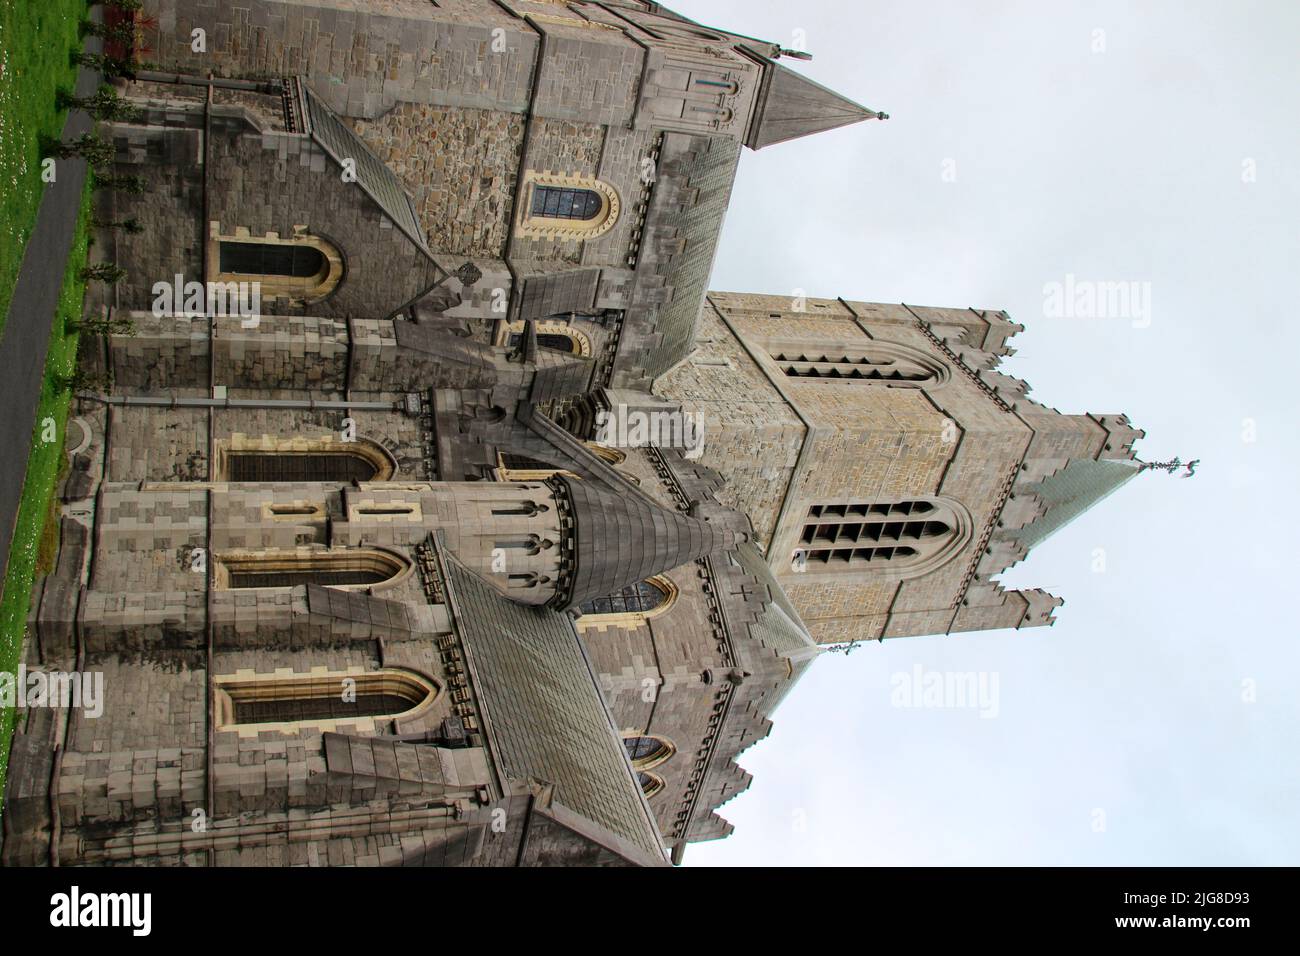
(1152, 142)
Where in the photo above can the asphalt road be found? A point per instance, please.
(26, 335)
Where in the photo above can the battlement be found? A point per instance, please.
(1120, 436)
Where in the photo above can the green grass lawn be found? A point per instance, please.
(33, 545)
(36, 39)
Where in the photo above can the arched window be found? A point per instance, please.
(351, 568)
(630, 607)
(258, 259)
(885, 363)
(303, 268)
(648, 750)
(252, 703)
(642, 596)
(914, 536)
(548, 340)
(268, 458)
(837, 365)
(554, 334)
(566, 207)
(725, 87)
(561, 202)
(651, 783)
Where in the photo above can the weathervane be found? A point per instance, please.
(1170, 466)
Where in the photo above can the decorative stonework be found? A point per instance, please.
(299, 291)
(628, 620)
(394, 566)
(245, 686)
(530, 226)
(580, 339)
(370, 452)
(384, 511)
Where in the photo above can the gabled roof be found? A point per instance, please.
(544, 715)
(791, 105)
(1072, 491)
(374, 177)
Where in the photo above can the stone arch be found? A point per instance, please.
(648, 750)
(321, 700)
(630, 607)
(565, 207)
(302, 267)
(348, 568)
(323, 458)
(879, 363)
(576, 342)
(902, 538)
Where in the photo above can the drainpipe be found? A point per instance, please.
(173, 401)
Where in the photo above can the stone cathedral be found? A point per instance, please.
(367, 578)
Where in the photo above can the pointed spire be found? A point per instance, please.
(1073, 490)
(623, 539)
(791, 105)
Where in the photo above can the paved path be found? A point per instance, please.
(26, 335)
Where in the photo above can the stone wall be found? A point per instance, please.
(461, 167)
(751, 434)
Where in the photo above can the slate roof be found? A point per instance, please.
(711, 169)
(779, 625)
(544, 713)
(356, 607)
(373, 175)
(791, 105)
(621, 539)
(1072, 491)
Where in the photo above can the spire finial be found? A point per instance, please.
(1170, 466)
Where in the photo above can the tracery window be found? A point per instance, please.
(651, 783)
(839, 365)
(648, 750)
(912, 535)
(629, 607)
(640, 597)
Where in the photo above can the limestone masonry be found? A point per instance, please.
(363, 583)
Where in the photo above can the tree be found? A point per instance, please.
(110, 323)
(91, 148)
(81, 380)
(104, 105)
(112, 67)
(135, 185)
(123, 33)
(131, 226)
(104, 272)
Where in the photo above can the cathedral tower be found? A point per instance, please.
(889, 468)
